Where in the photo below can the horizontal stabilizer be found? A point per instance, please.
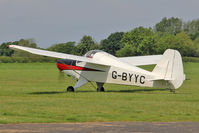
(156, 79)
(141, 60)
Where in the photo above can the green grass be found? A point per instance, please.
(32, 92)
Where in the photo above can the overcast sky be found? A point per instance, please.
(56, 21)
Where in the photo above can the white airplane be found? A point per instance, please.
(101, 67)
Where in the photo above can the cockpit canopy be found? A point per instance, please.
(91, 53)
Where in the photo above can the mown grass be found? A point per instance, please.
(34, 92)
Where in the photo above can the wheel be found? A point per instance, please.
(172, 90)
(100, 89)
(70, 89)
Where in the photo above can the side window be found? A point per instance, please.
(73, 62)
(78, 62)
(91, 53)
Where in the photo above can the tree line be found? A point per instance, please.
(171, 33)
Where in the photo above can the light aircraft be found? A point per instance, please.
(101, 67)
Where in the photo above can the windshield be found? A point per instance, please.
(91, 53)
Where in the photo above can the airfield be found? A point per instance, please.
(101, 127)
(35, 93)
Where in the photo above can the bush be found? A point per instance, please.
(5, 59)
(190, 59)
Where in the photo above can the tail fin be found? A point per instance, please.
(170, 68)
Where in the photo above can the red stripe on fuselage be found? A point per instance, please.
(70, 67)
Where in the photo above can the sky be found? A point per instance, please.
(57, 21)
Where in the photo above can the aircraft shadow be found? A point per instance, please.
(106, 91)
(127, 91)
(137, 90)
(47, 92)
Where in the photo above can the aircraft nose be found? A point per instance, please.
(63, 64)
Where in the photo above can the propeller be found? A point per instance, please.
(61, 76)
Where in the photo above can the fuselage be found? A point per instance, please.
(118, 73)
(101, 67)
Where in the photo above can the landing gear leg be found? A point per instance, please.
(172, 91)
(70, 89)
(100, 87)
(81, 81)
(171, 88)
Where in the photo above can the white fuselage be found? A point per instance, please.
(118, 73)
(101, 67)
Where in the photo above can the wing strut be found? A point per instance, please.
(81, 81)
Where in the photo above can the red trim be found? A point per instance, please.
(70, 67)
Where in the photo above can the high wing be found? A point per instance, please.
(141, 60)
(135, 61)
(58, 55)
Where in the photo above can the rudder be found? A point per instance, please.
(170, 68)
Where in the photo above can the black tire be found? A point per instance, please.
(70, 89)
(100, 89)
(172, 90)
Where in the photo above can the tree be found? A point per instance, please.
(141, 41)
(164, 42)
(27, 43)
(171, 25)
(180, 42)
(192, 28)
(68, 48)
(127, 50)
(86, 44)
(185, 45)
(4, 51)
(195, 35)
(196, 43)
(112, 43)
(147, 46)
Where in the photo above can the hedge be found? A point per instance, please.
(5, 59)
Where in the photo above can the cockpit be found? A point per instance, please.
(91, 53)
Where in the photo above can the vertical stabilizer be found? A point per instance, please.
(170, 68)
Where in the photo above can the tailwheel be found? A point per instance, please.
(70, 89)
(172, 90)
(100, 89)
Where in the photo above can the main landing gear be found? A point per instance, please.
(172, 91)
(100, 87)
(70, 89)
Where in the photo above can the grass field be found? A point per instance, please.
(32, 92)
